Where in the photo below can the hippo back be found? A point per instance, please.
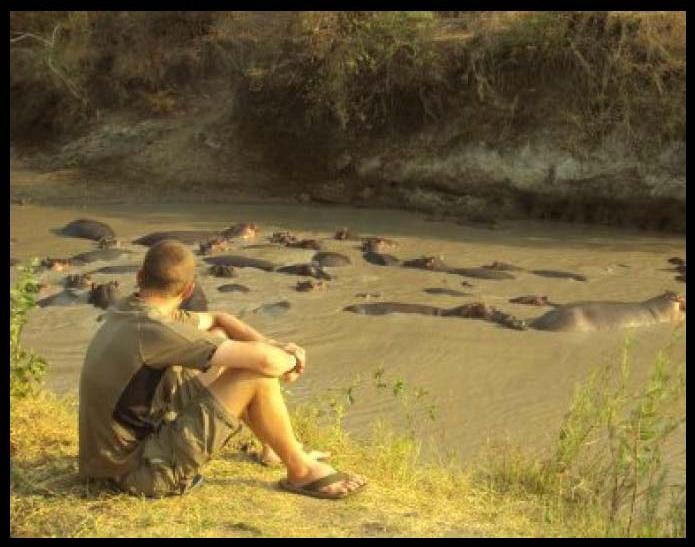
(589, 316)
(88, 229)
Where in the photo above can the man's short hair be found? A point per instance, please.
(169, 266)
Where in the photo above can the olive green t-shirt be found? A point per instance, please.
(123, 367)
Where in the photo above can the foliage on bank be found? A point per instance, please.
(304, 76)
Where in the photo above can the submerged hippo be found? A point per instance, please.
(377, 244)
(233, 287)
(276, 308)
(532, 300)
(241, 262)
(78, 281)
(310, 270)
(329, 259)
(482, 273)
(380, 259)
(196, 302)
(241, 231)
(88, 229)
(221, 270)
(383, 308)
(503, 267)
(104, 295)
(306, 244)
(283, 238)
(67, 297)
(310, 285)
(214, 245)
(345, 234)
(187, 237)
(447, 292)
(480, 310)
(590, 316)
(99, 254)
(431, 263)
(109, 242)
(563, 275)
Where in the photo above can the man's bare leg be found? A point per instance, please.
(267, 455)
(260, 396)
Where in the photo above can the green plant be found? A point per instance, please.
(26, 367)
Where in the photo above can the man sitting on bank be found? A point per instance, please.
(163, 389)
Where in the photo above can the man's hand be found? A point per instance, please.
(299, 354)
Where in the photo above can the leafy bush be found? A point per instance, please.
(26, 368)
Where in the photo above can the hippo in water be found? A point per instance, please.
(310, 285)
(233, 287)
(214, 245)
(104, 295)
(589, 316)
(482, 273)
(78, 281)
(241, 231)
(88, 229)
(444, 291)
(283, 238)
(503, 267)
(345, 234)
(187, 237)
(380, 259)
(306, 244)
(331, 260)
(384, 308)
(562, 275)
(377, 244)
(241, 262)
(196, 302)
(67, 297)
(310, 270)
(431, 263)
(221, 270)
(532, 300)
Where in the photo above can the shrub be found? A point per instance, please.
(26, 368)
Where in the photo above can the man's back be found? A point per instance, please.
(120, 379)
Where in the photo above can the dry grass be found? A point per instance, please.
(239, 497)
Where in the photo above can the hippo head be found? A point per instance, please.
(108, 243)
(104, 295)
(672, 305)
(244, 231)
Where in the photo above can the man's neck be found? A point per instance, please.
(163, 304)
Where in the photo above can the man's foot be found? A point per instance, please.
(322, 481)
(269, 458)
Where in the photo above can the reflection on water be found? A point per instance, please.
(487, 381)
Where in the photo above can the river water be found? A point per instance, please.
(485, 381)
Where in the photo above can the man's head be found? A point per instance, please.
(168, 270)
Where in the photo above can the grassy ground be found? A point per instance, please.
(239, 497)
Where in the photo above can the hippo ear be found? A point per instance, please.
(92, 286)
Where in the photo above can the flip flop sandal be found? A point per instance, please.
(313, 489)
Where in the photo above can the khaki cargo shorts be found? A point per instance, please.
(194, 426)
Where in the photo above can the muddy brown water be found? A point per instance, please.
(486, 382)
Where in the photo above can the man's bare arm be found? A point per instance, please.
(235, 328)
(258, 356)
